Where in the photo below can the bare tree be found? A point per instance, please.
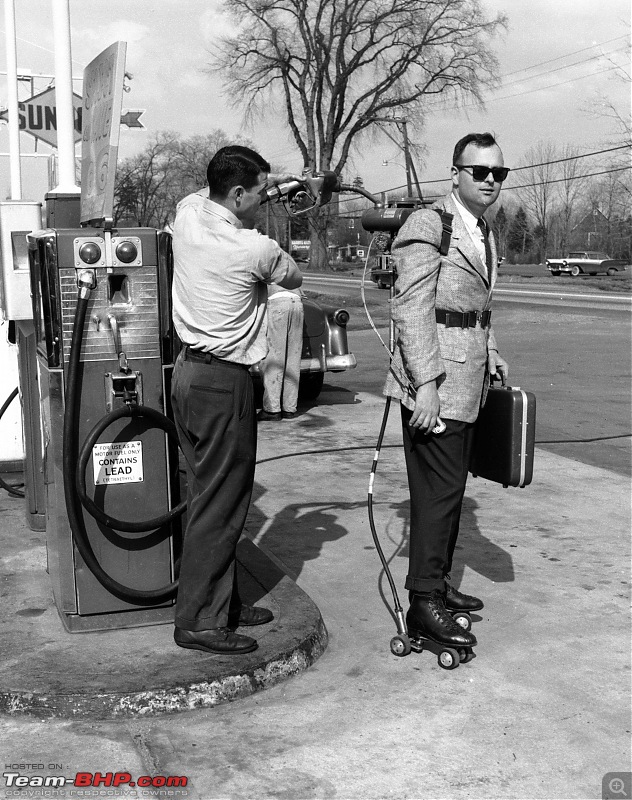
(539, 192)
(610, 195)
(150, 184)
(620, 116)
(142, 193)
(570, 192)
(337, 64)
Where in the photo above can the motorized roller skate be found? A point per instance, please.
(430, 626)
(461, 606)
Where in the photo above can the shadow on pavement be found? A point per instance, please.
(474, 550)
(299, 530)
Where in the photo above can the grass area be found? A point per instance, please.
(535, 273)
(377, 304)
(621, 284)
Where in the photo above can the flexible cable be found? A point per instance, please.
(14, 489)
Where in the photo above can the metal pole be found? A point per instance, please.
(63, 98)
(12, 100)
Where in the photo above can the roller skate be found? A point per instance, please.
(431, 627)
(461, 605)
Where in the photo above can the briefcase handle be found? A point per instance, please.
(499, 376)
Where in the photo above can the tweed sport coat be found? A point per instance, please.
(426, 280)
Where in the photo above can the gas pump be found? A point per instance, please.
(17, 218)
(105, 351)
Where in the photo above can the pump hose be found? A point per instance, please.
(12, 488)
(396, 603)
(84, 456)
(71, 495)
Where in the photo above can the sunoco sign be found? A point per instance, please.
(38, 116)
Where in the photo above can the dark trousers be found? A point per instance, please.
(214, 411)
(437, 466)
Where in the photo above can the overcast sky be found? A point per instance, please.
(557, 60)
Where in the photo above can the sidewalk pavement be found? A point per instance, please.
(543, 711)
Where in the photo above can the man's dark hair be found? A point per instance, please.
(234, 166)
(478, 139)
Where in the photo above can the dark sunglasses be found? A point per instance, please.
(480, 173)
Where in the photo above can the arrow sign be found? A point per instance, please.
(38, 117)
(132, 119)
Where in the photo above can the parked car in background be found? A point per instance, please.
(382, 272)
(325, 346)
(585, 261)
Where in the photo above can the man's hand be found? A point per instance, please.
(496, 364)
(426, 407)
(275, 180)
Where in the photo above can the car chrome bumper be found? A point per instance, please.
(330, 364)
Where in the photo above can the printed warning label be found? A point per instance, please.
(117, 462)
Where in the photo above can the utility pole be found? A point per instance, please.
(407, 158)
(410, 168)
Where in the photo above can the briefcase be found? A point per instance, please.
(504, 436)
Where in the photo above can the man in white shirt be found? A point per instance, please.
(222, 267)
(446, 349)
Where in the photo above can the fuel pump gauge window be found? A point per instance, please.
(126, 252)
(90, 253)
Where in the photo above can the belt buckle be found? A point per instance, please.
(479, 317)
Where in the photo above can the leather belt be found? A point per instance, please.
(463, 319)
(207, 358)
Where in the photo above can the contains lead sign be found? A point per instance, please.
(117, 462)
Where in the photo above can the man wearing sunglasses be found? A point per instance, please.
(445, 352)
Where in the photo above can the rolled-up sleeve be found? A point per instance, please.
(272, 264)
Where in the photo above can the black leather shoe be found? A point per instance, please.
(428, 617)
(249, 615)
(269, 416)
(289, 414)
(217, 640)
(457, 601)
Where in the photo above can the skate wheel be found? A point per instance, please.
(400, 645)
(467, 655)
(449, 658)
(463, 619)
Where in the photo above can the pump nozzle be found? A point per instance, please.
(301, 196)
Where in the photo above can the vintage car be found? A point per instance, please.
(585, 261)
(325, 347)
(382, 272)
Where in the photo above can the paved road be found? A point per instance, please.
(540, 292)
(575, 356)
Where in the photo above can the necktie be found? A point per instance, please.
(488, 250)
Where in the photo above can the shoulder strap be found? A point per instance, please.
(446, 233)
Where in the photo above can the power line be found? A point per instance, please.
(564, 66)
(566, 55)
(509, 188)
(529, 166)
(570, 178)
(527, 91)
(573, 158)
